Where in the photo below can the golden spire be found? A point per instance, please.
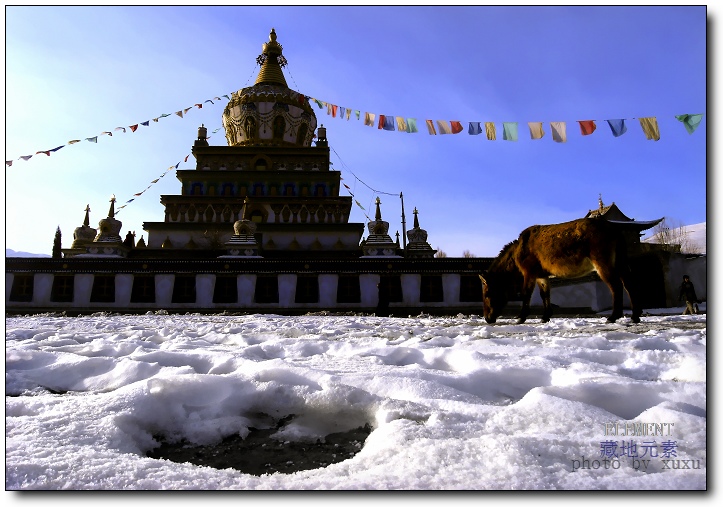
(271, 61)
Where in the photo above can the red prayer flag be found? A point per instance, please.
(9, 162)
(186, 159)
(133, 127)
(587, 127)
(456, 127)
(381, 121)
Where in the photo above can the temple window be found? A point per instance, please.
(62, 290)
(431, 290)
(307, 289)
(267, 289)
(257, 216)
(22, 289)
(279, 128)
(470, 288)
(184, 289)
(225, 290)
(250, 128)
(103, 290)
(144, 289)
(348, 290)
(393, 286)
(260, 165)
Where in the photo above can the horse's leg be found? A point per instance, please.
(544, 285)
(615, 284)
(528, 286)
(631, 286)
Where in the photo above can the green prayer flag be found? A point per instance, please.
(691, 121)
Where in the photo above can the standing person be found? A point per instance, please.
(691, 300)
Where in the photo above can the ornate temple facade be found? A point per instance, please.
(259, 225)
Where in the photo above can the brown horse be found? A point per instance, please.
(567, 250)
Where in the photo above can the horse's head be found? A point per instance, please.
(495, 294)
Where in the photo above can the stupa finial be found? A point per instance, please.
(111, 211)
(271, 61)
(378, 215)
(416, 219)
(86, 222)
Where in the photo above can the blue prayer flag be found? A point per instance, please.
(474, 128)
(618, 127)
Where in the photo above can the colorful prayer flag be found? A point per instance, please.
(333, 111)
(650, 128)
(587, 127)
(536, 131)
(559, 131)
(180, 113)
(490, 131)
(401, 124)
(26, 157)
(456, 127)
(74, 141)
(133, 127)
(92, 139)
(120, 128)
(198, 105)
(444, 127)
(618, 127)
(187, 109)
(318, 103)
(357, 113)
(474, 128)
(690, 121)
(412, 125)
(381, 122)
(9, 163)
(369, 119)
(145, 123)
(109, 133)
(430, 128)
(509, 131)
(186, 159)
(388, 123)
(341, 112)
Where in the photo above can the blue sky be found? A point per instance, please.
(74, 72)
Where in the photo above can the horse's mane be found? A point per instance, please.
(505, 259)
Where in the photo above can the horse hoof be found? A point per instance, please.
(636, 320)
(611, 320)
(521, 321)
(545, 320)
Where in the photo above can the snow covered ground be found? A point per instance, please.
(454, 403)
